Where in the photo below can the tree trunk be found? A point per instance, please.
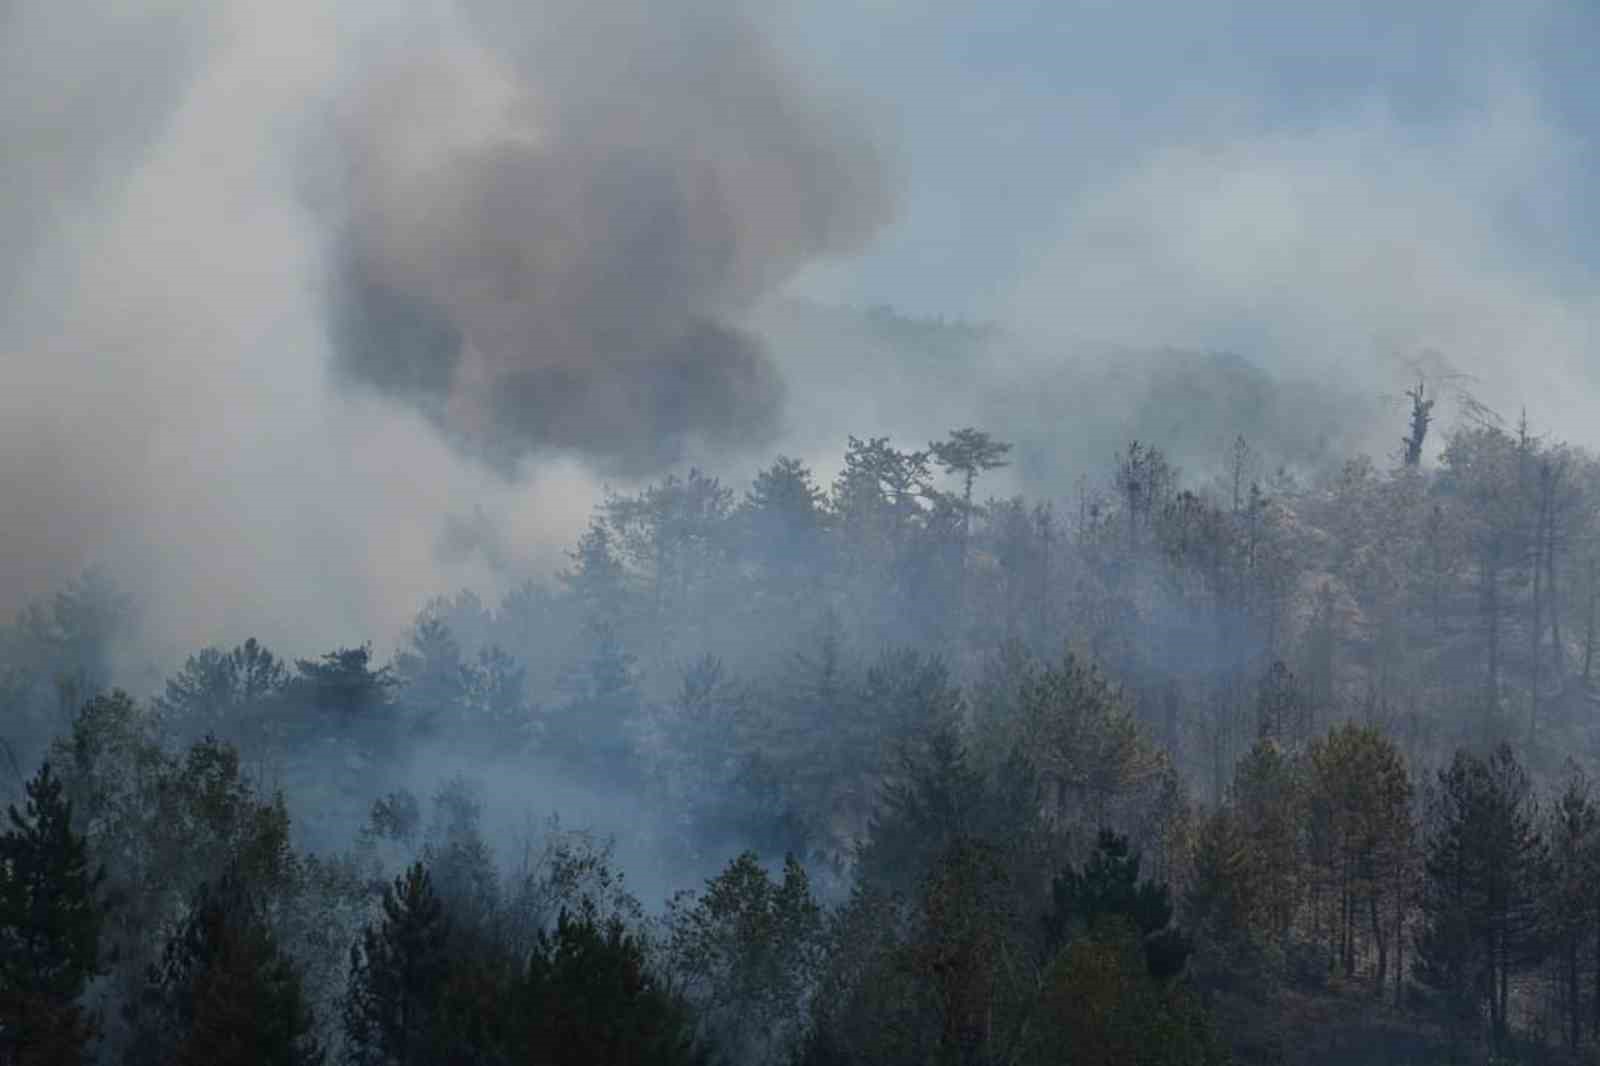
(1589, 620)
(1044, 575)
(1573, 1015)
(1596, 1004)
(1502, 997)
(1491, 621)
(1381, 941)
(1552, 590)
(1400, 943)
(1347, 908)
(1534, 633)
(1172, 700)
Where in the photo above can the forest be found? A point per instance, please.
(1272, 767)
(750, 533)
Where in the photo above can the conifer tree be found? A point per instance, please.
(1268, 796)
(1223, 903)
(1574, 839)
(589, 999)
(1485, 868)
(225, 993)
(1359, 803)
(49, 928)
(747, 951)
(398, 972)
(1108, 890)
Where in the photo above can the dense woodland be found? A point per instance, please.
(1285, 766)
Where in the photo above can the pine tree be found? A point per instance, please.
(1574, 837)
(1224, 900)
(968, 452)
(1268, 800)
(1108, 890)
(215, 688)
(1097, 1007)
(433, 677)
(398, 972)
(343, 683)
(747, 951)
(49, 928)
(592, 733)
(1359, 804)
(1485, 868)
(1086, 745)
(224, 994)
(589, 999)
(935, 801)
(784, 521)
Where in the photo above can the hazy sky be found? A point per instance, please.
(1333, 186)
(1013, 117)
(1326, 188)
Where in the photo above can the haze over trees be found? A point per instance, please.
(486, 578)
(1273, 767)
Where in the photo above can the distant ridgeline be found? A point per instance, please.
(1070, 409)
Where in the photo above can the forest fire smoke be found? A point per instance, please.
(548, 252)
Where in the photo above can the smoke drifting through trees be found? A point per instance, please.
(520, 234)
(1292, 756)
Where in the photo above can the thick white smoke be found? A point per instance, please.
(204, 195)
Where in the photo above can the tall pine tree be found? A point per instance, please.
(225, 993)
(49, 929)
(398, 973)
(1485, 869)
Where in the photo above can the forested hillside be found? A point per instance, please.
(1272, 766)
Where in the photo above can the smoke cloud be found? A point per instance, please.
(311, 311)
(552, 227)
(537, 227)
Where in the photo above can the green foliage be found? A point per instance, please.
(591, 734)
(224, 992)
(71, 638)
(1569, 911)
(343, 684)
(596, 581)
(1269, 801)
(1359, 819)
(868, 1008)
(969, 936)
(748, 953)
(1485, 868)
(784, 521)
(1099, 1007)
(455, 964)
(915, 734)
(49, 928)
(589, 999)
(216, 689)
(969, 452)
(954, 974)
(938, 798)
(1223, 900)
(702, 734)
(398, 973)
(458, 859)
(1091, 753)
(432, 677)
(1108, 890)
(164, 824)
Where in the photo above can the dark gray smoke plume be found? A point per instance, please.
(554, 224)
